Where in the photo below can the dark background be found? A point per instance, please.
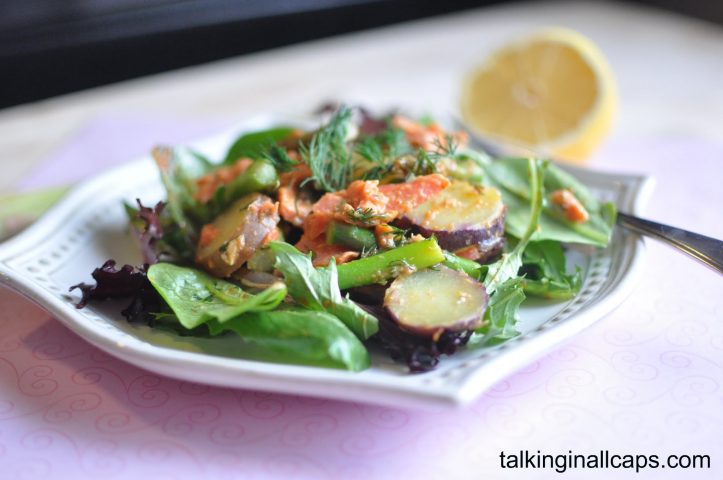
(50, 47)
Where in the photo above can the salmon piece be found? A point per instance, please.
(339, 205)
(404, 197)
(429, 137)
(366, 194)
(323, 212)
(329, 203)
(297, 174)
(570, 205)
(385, 203)
(316, 224)
(471, 252)
(323, 251)
(292, 206)
(206, 185)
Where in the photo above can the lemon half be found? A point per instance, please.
(553, 91)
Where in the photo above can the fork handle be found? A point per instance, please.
(706, 250)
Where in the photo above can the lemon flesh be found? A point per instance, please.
(553, 91)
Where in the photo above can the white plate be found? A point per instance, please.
(88, 226)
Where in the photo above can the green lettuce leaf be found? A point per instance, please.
(298, 336)
(510, 176)
(268, 331)
(197, 298)
(318, 289)
(254, 144)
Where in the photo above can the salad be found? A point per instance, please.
(312, 247)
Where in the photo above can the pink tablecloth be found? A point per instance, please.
(648, 379)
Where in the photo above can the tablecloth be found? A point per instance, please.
(647, 379)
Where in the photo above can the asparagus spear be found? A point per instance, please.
(383, 266)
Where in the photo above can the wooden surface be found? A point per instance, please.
(669, 71)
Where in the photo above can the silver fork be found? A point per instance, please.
(707, 250)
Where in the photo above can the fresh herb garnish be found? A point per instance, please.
(365, 216)
(368, 252)
(382, 150)
(328, 156)
(425, 164)
(372, 150)
(399, 235)
(447, 148)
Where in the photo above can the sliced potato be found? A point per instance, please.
(233, 237)
(462, 215)
(431, 302)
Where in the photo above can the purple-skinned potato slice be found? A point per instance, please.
(462, 216)
(433, 301)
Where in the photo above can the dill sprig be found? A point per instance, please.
(371, 149)
(395, 141)
(365, 216)
(382, 150)
(448, 148)
(377, 172)
(279, 158)
(426, 162)
(368, 251)
(327, 155)
(399, 235)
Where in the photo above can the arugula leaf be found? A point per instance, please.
(545, 274)
(318, 289)
(254, 144)
(509, 264)
(502, 313)
(296, 335)
(197, 298)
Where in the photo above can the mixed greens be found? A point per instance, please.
(312, 246)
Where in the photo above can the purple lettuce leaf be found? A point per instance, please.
(126, 282)
(148, 230)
